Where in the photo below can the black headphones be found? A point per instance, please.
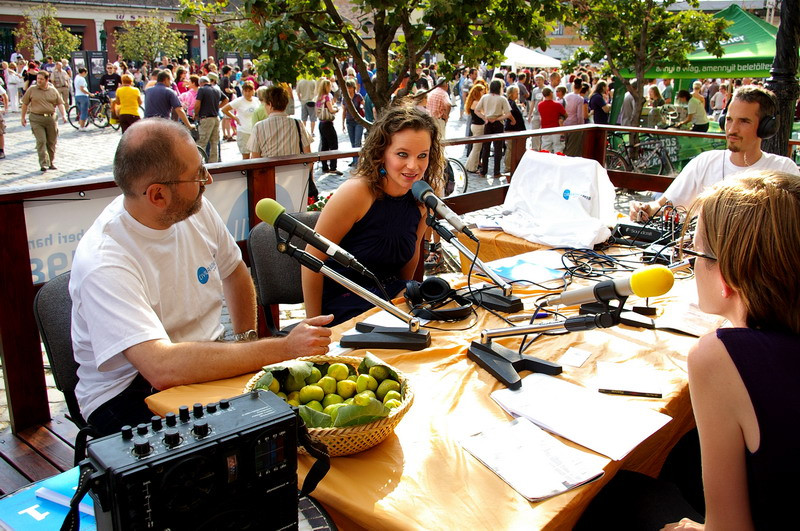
(425, 298)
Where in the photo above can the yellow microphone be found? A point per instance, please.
(648, 282)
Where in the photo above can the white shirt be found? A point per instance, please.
(713, 166)
(493, 105)
(132, 284)
(244, 111)
(79, 82)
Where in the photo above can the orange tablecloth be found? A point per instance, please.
(420, 477)
(495, 244)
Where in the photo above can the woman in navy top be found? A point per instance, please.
(598, 105)
(743, 378)
(374, 216)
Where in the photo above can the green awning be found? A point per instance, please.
(749, 51)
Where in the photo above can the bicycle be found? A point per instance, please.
(99, 112)
(456, 177)
(647, 156)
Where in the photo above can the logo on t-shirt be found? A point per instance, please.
(567, 193)
(204, 273)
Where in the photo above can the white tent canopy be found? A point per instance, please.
(520, 57)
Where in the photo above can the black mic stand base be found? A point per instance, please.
(494, 299)
(372, 336)
(504, 363)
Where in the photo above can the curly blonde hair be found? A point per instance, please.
(399, 117)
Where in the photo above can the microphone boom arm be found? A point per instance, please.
(316, 265)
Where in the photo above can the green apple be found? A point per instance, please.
(316, 406)
(379, 372)
(386, 386)
(311, 392)
(338, 371)
(363, 398)
(391, 404)
(328, 384)
(366, 382)
(314, 376)
(346, 388)
(392, 395)
(332, 398)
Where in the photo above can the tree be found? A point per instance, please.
(148, 38)
(309, 37)
(642, 34)
(41, 31)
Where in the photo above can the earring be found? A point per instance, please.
(382, 171)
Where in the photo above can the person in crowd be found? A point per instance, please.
(148, 282)
(160, 101)
(598, 106)
(354, 129)
(750, 106)
(574, 105)
(329, 140)
(627, 113)
(477, 124)
(261, 112)
(4, 101)
(245, 107)
(181, 80)
(30, 75)
(306, 93)
(49, 65)
(493, 109)
(655, 101)
(42, 100)
(206, 111)
(533, 112)
(82, 94)
(553, 115)
(188, 98)
(515, 123)
(667, 91)
(741, 377)
(524, 92)
(466, 86)
(696, 113)
(719, 101)
(374, 214)
(279, 134)
(228, 89)
(61, 81)
(15, 83)
(128, 101)
(110, 81)
(439, 104)
(154, 80)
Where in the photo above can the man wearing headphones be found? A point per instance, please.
(751, 118)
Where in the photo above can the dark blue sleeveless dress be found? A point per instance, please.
(384, 240)
(769, 364)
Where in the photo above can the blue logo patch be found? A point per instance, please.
(202, 275)
(566, 193)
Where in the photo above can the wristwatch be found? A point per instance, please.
(249, 335)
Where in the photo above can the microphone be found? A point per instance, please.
(270, 211)
(648, 282)
(424, 194)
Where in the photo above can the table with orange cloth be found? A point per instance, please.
(495, 244)
(421, 478)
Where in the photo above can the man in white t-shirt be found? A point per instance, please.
(751, 106)
(574, 105)
(148, 281)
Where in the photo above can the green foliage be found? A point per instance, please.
(292, 38)
(641, 34)
(148, 38)
(40, 30)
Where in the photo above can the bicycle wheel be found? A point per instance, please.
(73, 115)
(614, 161)
(98, 114)
(115, 125)
(647, 160)
(456, 171)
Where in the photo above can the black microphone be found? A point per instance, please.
(270, 211)
(424, 194)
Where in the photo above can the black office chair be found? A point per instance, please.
(52, 308)
(276, 275)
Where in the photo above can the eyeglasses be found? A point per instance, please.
(698, 254)
(202, 180)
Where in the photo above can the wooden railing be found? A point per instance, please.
(20, 348)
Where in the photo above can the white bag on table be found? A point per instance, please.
(559, 201)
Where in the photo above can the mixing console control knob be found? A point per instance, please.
(172, 437)
(127, 432)
(141, 447)
(183, 413)
(212, 408)
(197, 410)
(200, 428)
(224, 403)
(171, 420)
(141, 429)
(156, 423)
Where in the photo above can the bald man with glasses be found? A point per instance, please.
(148, 282)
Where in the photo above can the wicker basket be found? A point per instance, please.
(353, 439)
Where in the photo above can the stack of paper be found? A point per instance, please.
(534, 463)
(605, 424)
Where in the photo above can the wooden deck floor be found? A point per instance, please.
(36, 453)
